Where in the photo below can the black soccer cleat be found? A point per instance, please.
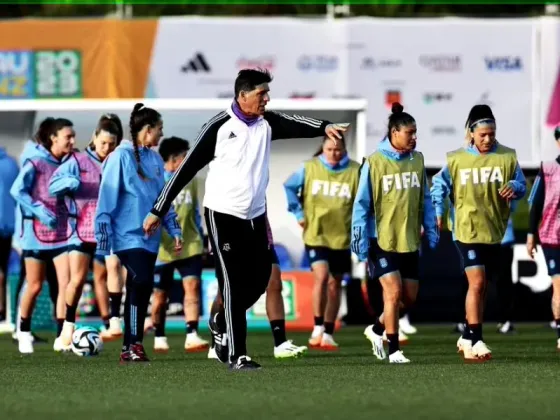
(244, 363)
(219, 340)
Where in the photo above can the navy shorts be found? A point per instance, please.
(274, 256)
(383, 262)
(479, 255)
(84, 248)
(44, 255)
(552, 257)
(339, 260)
(189, 267)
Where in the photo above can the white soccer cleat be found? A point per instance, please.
(328, 343)
(376, 343)
(60, 346)
(115, 327)
(406, 327)
(478, 353)
(398, 357)
(316, 336)
(66, 336)
(212, 354)
(160, 345)
(403, 338)
(25, 342)
(288, 350)
(462, 343)
(195, 343)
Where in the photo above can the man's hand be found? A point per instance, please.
(151, 224)
(333, 131)
(531, 246)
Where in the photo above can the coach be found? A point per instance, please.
(236, 145)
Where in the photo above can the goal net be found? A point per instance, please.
(182, 118)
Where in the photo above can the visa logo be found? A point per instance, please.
(507, 63)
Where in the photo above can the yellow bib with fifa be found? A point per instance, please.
(398, 200)
(481, 215)
(184, 204)
(328, 197)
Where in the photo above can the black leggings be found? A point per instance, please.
(140, 266)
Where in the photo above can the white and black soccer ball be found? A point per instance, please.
(86, 341)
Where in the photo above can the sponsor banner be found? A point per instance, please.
(46, 59)
(550, 85)
(442, 74)
(301, 53)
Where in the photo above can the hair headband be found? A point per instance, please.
(488, 121)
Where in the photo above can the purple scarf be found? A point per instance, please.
(239, 114)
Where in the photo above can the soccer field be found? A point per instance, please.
(521, 382)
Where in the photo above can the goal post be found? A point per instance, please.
(184, 118)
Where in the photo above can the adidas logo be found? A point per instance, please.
(197, 64)
(232, 135)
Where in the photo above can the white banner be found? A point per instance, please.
(438, 69)
(200, 58)
(550, 86)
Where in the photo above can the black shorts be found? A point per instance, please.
(187, 268)
(479, 255)
(339, 260)
(84, 248)
(383, 262)
(552, 257)
(44, 255)
(5, 251)
(274, 256)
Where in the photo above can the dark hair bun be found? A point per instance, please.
(137, 107)
(397, 108)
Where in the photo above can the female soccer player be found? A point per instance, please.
(392, 205)
(275, 311)
(481, 179)
(327, 185)
(188, 262)
(545, 221)
(78, 178)
(133, 175)
(45, 223)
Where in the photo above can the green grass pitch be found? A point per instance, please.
(522, 382)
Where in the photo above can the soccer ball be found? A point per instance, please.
(86, 341)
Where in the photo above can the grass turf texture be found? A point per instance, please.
(520, 383)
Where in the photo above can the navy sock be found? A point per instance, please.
(105, 320)
(393, 341)
(59, 324)
(159, 329)
(278, 328)
(319, 320)
(378, 327)
(558, 327)
(192, 326)
(329, 328)
(466, 331)
(476, 333)
(25, 325)
(115, 300)
(70, 313)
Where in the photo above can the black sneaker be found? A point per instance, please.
(244, 363)
(219, 340)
